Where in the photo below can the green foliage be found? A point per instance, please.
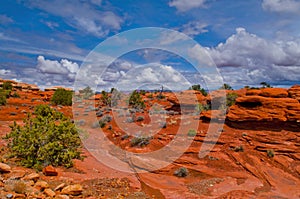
(265, 85)
(230, 99)
(202, 107)
(197, 87)
(15, 95)
(86, 92)
(7, 86)
(181, 172)
(226, 87)
(2, 97)
(48, 138)
(62, 97)
(192, 133)
(105, 98)
(140, 141)
(136, 101)
(270, 153)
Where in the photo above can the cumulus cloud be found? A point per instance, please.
(185, 5)
(246, 57)
(153, 74)
(82, 15)
(282, 6)
(64, 67)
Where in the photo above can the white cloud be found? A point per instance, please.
(170, 37)
(9, 38)
(194, 28)
(153, 74)
(246, 57)
(82, 15)
(4, 72)
(185, 5)
(5, 19)
(283, 6)
(64, 67)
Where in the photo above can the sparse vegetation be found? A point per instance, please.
(48, 138)
(62, 97)
(15, 95)
(230, 99)
(140, 141)
(87, 92)
(136, 101)
(192, 133)
(181, 172)
(265, 85)
(197, 87)
(2, 97)
(7, 86)
(202, 107)
(140, 118)
(239, 149)
(226, 87)
(270, 153)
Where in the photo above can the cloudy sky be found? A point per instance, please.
(46, 42)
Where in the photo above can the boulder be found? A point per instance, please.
(32, 176)
(49, 171)
(4, 168)
(49, 192)
(73, 190)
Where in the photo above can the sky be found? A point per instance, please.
(47, 42)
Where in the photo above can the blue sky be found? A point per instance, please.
(45, 42)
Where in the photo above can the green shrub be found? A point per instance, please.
(15, 95)
(197, 87)
(105, 98)
(62, 97)
(7, 86)
(270, 153)
(2, 98)
(202, 107)
(181, 172)
(48, 138)
(230, 99)
(86, 92)
(140, 141)
(192, 133)
(136, 100)
(226, 87)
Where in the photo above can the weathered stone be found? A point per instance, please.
(74, 190)
(49, 171)
(59, 187)
(32, 176)
(41, 185)
(49, 192)
(4, 168)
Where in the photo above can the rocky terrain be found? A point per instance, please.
(256, 156)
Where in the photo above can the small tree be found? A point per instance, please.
(197, 87)
(105, 98)
(226, 87)
(136, 100)
(265, 85)
(87, 92)
(62, 97)
(230, 99)
(2, 97)
(7, 86)
(49, 138)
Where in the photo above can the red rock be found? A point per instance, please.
(50, 171)
(294, 92)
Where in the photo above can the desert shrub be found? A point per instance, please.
(230, 99)
(270, 153)
(2, 98)
(181, 172)
(239, 149)
(105, 98)
(265, 85)
(192, 133)
(140, 141)
(95, 125)
(140, 118)
(87, 92)
(48, 138)
(62, 97)
(15, 95)
(226, 87)
(7, 86)
(197, 87)
(136, 101)
(202, 107)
